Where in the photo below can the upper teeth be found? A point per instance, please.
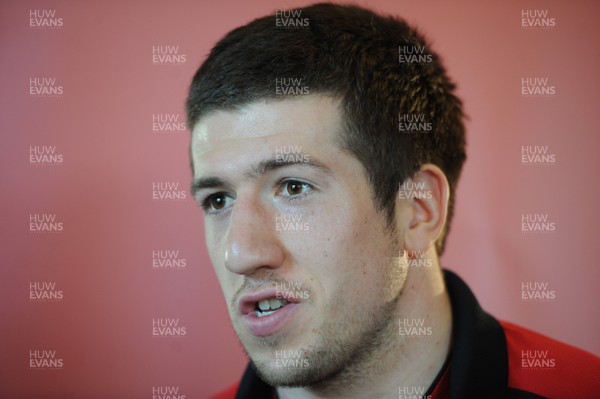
(273, 303)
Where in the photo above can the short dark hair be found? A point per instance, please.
(355, 55)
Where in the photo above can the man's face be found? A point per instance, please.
(308, 266)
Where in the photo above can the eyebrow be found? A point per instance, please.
(260, 169)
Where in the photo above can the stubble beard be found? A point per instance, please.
(344, 352)
(340, 354)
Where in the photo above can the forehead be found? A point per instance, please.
(304, 120)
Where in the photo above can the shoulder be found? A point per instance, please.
(228, 393)
(547, 367)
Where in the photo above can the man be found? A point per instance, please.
(326, 148)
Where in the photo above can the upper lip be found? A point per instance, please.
(247, 302)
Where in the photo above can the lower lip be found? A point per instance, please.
(269, 325)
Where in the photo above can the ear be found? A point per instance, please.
(424, 197)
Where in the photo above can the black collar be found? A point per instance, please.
(479, 359)
(479, 364)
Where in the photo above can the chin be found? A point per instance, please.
(278, 374)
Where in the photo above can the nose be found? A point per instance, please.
(251, 241)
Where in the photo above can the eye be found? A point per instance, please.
(295, 189)
(216, 202)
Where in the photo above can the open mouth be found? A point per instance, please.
(266, 312)
(269, 306)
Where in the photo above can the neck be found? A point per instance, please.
(412, 349)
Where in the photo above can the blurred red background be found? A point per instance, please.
(97, 59)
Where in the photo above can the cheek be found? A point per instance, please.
(216, 252)
(214, 247)
(352, 256)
